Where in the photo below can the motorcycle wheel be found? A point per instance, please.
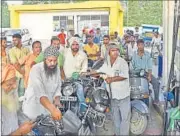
(138, 122)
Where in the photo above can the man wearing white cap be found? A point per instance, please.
(75, 61)
(116, 70)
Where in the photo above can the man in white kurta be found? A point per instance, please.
(41, 84)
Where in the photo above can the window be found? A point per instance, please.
(66, 22)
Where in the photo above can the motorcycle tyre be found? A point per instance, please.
(144, 121)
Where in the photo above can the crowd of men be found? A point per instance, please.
(36, 77)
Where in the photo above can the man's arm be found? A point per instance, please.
(12, 56)
(39, 58)
(63, 77)
(84, 64)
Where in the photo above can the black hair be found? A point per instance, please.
(140, 41)
(115, 32)
(35, 43)
(77, 35)
(54, 38)
(3, 38)
(98, 29)
(88, 36)
(17, 36)
(106, 36)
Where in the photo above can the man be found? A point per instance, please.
(141, 60)
(75, 61)
(156, 42)
(9, 105)
(92, 34)
(70, 35)
(92, 51)
(117, 83)
(4, 55)
(105, 46)
(62, 37)
(136, 33)
(44, 87)
(55, 42)
(98, 35)
(27, 61)
(116, 37)
(131, 46)
(15, 54)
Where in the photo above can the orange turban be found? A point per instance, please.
(8, 72)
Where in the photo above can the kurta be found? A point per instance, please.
(40, 85)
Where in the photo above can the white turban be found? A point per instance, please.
(74, 39)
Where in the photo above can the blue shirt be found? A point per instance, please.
(95, 40)
(144, 62)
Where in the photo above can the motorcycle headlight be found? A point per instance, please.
(68, 90)
(142, 73)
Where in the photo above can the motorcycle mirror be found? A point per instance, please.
(97, 64)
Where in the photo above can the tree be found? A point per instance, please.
(25, 2)
(143, 12)
(5, 22)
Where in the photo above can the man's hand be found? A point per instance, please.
(25, 128)
(57, 102)
(91, 55)
(109, 80)
(56, 114)
(149, 77)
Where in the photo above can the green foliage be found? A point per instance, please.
(5, 17)
(143, 12)
(26, 2)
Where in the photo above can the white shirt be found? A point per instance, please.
(131, 49)
(156, 41)
(103, 51)
(77, 63)
(120, 89)
(39, 85)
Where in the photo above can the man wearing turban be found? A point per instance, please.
(75, 61)
(9, 105)
(44, 86)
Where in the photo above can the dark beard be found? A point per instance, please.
(49, 72)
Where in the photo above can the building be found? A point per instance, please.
(43, 21)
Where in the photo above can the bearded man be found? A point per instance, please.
(9, 105)
(44, 86)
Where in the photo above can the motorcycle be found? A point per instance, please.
(69, 98)
(97, 103)
(69, 125)
(139, 95)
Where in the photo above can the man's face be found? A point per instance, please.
(37, 48)
(140, 46)
(75, 46)
(50, 66)
(9, 85)
(106, 40)
(156, 35)
(137, 29)
(3, 43)
(56, 43)
(62, 30)
(90, 40)
(16, 41)
(114, 53)
(98, 31)
(115, 34)
(92, 34)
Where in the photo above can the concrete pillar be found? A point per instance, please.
(14, 19)
(113, 20)
(168, 20)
